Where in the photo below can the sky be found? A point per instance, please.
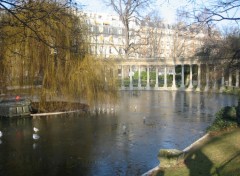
(167, 9)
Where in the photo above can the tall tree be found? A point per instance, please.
(151, 36)
(130, 13)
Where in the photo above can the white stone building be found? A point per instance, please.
(154, 40)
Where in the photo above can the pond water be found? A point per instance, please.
(123, 142)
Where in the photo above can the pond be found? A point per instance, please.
(124, 141)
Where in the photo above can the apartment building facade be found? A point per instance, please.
(151, 39)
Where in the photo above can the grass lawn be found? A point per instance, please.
(219, 155)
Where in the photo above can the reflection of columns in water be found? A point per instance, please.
(174, 93)
(122, 77)
(156, 85)
(191, 81)
(182, 84)
(182, 94)
(165, 76)
(237, 78)
(174, 78)
(199, 78)
(198, 105)
(148, 85)
(139, 76)
(206, 106)
(190, 110)
(130, 76)
(207, 78)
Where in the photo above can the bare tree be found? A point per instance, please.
(219, 10)
(130, 12)
(151, 36)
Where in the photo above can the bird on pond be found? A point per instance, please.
(124, 129)
(1, 134)
(35, 129)
(35, 136)
(144, 119)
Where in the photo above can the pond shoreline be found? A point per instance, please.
(185, 151)
(57, 108)
(55, 113)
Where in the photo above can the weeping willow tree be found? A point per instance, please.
(44, 52)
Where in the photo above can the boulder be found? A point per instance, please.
(170, 157)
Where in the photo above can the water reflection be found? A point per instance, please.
(122, 143)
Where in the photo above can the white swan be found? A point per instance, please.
(1, 134)
(35, 129)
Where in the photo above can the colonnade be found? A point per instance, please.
(127, 71)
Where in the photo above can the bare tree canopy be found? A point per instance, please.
(212, 11)
(129, 11)
(209, 14)
(218, 11)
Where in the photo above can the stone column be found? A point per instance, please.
(148, 85)
(156, 85)
(139, 76)
(199, 78)
(190, 79)
(215, 79)
(174, 78)
(230, 79)
(237, 78)
(122, 78)
(130, 76)
(165, 77)
(207, 78)
(182, 84)
(222, 82)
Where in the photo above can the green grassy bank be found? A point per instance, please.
(217, 155)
